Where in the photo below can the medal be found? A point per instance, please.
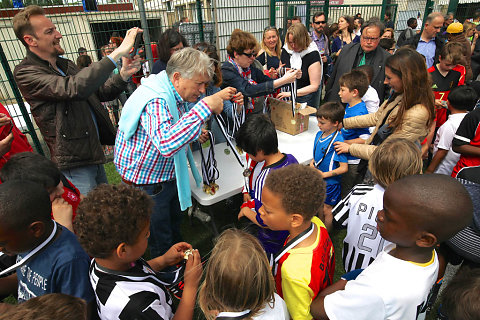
(247, 173)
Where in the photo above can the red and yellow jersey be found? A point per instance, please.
(304, 272)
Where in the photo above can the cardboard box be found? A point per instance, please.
(282, 117)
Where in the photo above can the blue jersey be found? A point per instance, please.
(332, 159)
(349, 134)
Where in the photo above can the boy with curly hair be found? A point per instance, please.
(292, 197)
(113, 226)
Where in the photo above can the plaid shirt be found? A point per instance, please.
(147, 157)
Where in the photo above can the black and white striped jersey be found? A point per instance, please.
(134, 294)
(358, 211)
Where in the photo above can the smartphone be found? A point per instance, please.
(138, 40)
(6, 130)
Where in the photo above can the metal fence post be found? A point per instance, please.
(307, 13)
(272, 12)
(200, 20)
(146, 33)
(326, 4)
(384, 9)
(19, 99)
(452, 6)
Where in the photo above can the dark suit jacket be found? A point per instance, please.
(344, 64)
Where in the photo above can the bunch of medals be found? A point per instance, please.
(209, 166)
(292, 88)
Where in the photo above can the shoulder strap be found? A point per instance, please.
(326, 151)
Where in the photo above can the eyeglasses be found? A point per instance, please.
(249, 55)
(367, 39)
(319, 22)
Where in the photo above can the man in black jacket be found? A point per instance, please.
(65, 101)
(429, 43)
(353, 55)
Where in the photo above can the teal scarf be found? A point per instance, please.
(158, 86)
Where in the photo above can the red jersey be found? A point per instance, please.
(19, 143)
(468, 133)
(442, 87)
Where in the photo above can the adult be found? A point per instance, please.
(387, 34)
(269, 55)
(407, 33)
(65, 102)
(320, 38)
(406, 114)
(296, 19)
(367, 52)
(346, 35)
(388, 21)
(171, 41)
(419, 23)
(250, 81)
(84, 61)
(455, 34)
(448, 20)
(301, 53)
(428, 43)
(319, 24)
(358, 23)
(153, 137)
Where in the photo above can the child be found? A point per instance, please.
(392, 160)
(258, 137)
(31, 166)
(460, 100)
(460, 298)
(445, 78)
(238, 264)
(353, 86)
(57, 264)
(467, 142)
(291, 198)
(325, 159)
(417, 215)
(52, 306)
(371, 99)
(113, 224)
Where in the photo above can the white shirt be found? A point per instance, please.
(443, 141)
(390, 288)
(358, 211)
(372, 102)
(272, 311)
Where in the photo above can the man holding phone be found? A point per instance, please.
(66, 101)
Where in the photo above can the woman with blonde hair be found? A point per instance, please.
(269, 55)
(301, 53)
(250, 81)
(238, 281)
(407, 114)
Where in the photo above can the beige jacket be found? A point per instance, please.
(413, 128)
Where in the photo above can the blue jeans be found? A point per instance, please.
(166, 217)
(87, 177)
(310, 99)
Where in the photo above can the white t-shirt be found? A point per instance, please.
(358, 211)
(277, 311)
(372, 102)
(443, 140)
(389, 288)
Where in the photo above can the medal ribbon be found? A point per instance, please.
(32, 253)
(289, 245)
(293, 92)
(326, 151)
(238, 119)
(209, 165)
(233, 315)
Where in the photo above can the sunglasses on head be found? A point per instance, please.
(269, 28)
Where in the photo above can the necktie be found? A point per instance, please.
(362, 61)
